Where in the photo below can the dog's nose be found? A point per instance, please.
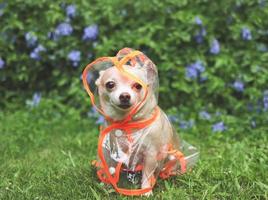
(124, 97)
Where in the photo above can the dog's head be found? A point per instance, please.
(119, 94)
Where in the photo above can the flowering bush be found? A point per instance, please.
(212, 56)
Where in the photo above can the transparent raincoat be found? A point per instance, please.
(140, 146)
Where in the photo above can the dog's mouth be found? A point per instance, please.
(124, 106)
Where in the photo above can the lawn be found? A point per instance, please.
(46, 153)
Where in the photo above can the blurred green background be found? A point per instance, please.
(212, 58)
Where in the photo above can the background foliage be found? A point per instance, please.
(212, 58)
(210, 55)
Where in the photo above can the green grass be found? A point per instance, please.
(45, 154)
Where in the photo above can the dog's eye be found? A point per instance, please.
(110, 85)
(137, 86)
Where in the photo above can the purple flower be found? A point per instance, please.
(35, 54)
(246, 34)
(198, 21)
(238, 86)
(173, 118)
(191, 72)
(186, 124)
(265, 100)
(199, 66)
(31, 39)
(35, 100)
(52, 35)
(204, 115)
(100, 120)
(194, 69)
(91, 32)
(64, 29)
(200, 36)
(218, 127)
(2, 63)
(215, 47)
(40, 48)
(71, 10)
(74, 56)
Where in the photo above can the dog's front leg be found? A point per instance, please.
(150, 164)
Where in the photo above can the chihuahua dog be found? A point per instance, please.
(118, 94)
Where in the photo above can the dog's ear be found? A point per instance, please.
(98, 81)
(151, 71)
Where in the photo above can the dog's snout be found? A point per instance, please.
(124, 97)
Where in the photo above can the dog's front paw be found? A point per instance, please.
(146, 184)
(147, 194)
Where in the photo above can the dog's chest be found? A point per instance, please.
(127, 148)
